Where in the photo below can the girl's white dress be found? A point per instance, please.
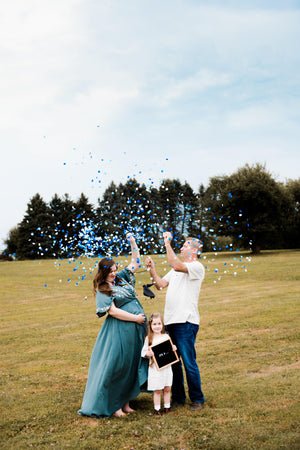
(157, 379)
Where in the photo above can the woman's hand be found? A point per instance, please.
(120, 314)
(135, 254)
(140, 319)
(159, 283)
(130, 238)
(149, 263)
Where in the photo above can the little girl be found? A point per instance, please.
(158, 380)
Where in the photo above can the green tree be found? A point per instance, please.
(84, 227)
(56, 212)
(67, 227)
(62, 226)
(292, 228)
(200, 206)
(154, 223)
(12, 242)
(169, 210)
(126, 207)
(34, 241)
(109, 217)
(189, 203)
(175, 210)
(248, 206)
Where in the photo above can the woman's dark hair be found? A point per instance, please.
(103, 269)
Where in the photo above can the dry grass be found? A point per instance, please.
(247, 347)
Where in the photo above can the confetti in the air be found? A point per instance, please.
(102, 236)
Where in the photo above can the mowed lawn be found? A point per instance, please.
(247, 350)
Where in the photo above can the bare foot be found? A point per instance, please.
(119, 413)
(128, 410)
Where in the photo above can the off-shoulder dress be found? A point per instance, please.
(117, 373)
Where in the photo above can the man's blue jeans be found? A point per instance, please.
(183, 336)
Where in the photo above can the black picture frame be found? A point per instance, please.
(164, 355)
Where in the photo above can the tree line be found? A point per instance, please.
(246, 210)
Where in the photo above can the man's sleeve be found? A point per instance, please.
(196, 270)
(167, 277)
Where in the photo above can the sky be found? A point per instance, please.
(94, 91)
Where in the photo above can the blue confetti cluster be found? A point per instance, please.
(103, 236)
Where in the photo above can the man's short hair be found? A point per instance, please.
(197, 241)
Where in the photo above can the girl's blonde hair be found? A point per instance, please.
(155, 315)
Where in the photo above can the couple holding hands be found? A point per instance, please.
(119, 363)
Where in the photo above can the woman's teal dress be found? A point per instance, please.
(117, 372)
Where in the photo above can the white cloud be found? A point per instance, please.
(272, 116)
(137, 82)
(192, 85)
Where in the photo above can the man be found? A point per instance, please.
(181, 315)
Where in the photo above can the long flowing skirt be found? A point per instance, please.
(117, 372)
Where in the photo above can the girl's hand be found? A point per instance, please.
(149, 352)
(174, 348)
(140, 319)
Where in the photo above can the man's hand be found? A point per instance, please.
(167, 237)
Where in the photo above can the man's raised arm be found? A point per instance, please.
(174, 261)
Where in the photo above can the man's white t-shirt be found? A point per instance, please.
(183, 294)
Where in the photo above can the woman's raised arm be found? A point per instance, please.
(135, 254)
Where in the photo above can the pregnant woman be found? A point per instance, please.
(116, 372)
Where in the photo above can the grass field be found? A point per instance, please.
(247, 349)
